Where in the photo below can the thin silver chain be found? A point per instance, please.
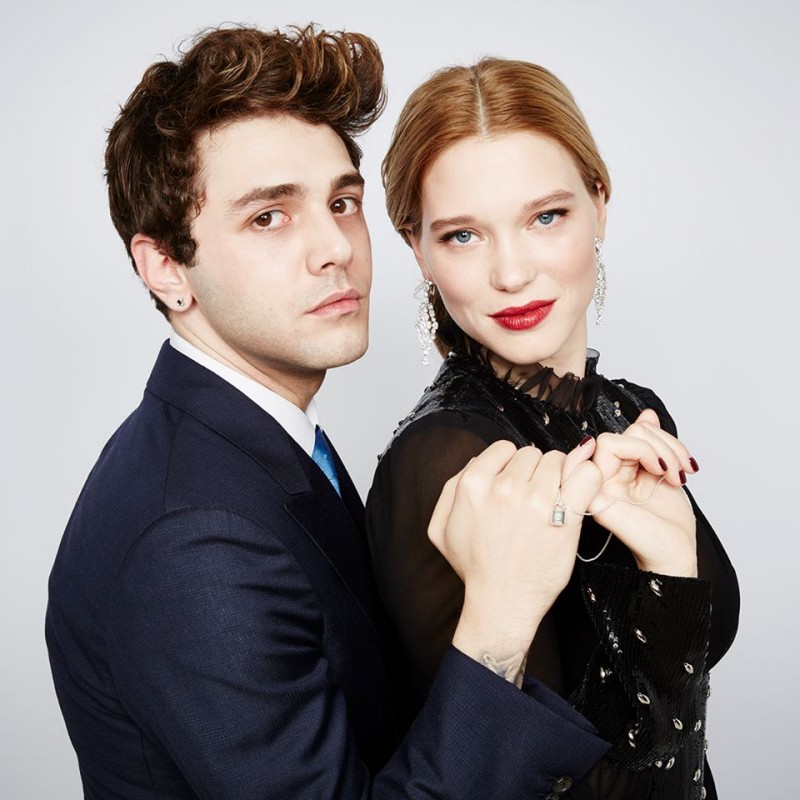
(594, 558)
(561, 504)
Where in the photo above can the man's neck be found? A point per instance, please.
(297, 389)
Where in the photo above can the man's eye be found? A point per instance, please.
(267, 219)
(344, 205)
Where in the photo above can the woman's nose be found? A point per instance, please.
(513, 266)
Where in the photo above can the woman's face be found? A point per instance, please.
(507, 236)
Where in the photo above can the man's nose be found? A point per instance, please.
(327, 244)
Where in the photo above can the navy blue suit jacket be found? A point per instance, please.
(214, 631)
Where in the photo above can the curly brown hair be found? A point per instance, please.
(228, 74)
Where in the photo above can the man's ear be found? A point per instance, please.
(413, 242)
(163, 276)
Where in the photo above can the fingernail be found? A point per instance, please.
(682, 476)
(694, 464)
(662, 464)
(586, 439)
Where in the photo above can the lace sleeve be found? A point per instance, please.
(421, 592)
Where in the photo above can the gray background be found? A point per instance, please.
(696, 109)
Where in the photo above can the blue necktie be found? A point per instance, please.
(324, 460)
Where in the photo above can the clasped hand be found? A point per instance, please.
(494, 522)
(659, 531)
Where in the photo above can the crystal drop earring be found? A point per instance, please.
(426, 324)
(599, 295)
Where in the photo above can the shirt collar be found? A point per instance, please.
(300, 425)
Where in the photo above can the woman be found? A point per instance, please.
(495, 182)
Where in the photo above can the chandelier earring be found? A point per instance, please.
(599, 295)
(426, 324)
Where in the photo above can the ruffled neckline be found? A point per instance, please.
(567, 392)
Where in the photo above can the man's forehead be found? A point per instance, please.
(275, 150)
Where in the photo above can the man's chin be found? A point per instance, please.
(348, 355)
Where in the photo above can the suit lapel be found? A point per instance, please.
(350, 495)
(335, 525)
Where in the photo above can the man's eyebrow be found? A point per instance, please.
(347, 180)
(560, 196)
(266, 194)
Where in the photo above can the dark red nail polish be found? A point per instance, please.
(694, 464)
(682, 476)
(662, 464)
(586, 439)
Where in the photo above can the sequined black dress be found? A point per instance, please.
(630, 649)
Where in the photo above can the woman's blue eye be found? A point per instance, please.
(547, 218)
(462, 237)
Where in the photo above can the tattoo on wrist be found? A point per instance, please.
(510, 668)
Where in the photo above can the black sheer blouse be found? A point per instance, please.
(630, 649)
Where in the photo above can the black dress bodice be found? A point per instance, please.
(466, 408)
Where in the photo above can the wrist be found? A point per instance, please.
(497, 641)
(674, 569)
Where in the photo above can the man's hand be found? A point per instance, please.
(493, 523)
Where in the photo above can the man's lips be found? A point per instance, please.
(517, 318)
(341, 302)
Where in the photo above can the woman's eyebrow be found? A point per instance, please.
(465, 220)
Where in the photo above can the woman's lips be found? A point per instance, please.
(522, 318)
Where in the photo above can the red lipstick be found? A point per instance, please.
(522, 318)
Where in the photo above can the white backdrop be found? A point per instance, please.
(696, 107)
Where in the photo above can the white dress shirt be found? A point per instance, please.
(300, 425)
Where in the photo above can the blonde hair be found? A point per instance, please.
(493, 96)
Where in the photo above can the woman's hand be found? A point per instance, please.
(660, 533)
(493, 523)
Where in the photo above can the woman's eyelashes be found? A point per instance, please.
(545, 219)
(461, 237)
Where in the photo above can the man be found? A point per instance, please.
(213, 627)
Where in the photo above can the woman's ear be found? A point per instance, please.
(600, 207)
(163, 276)
(413, 241)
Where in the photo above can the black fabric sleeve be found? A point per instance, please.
(713, 564)
(645, 687)
(421, 591)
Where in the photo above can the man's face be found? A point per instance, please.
(283, 267)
